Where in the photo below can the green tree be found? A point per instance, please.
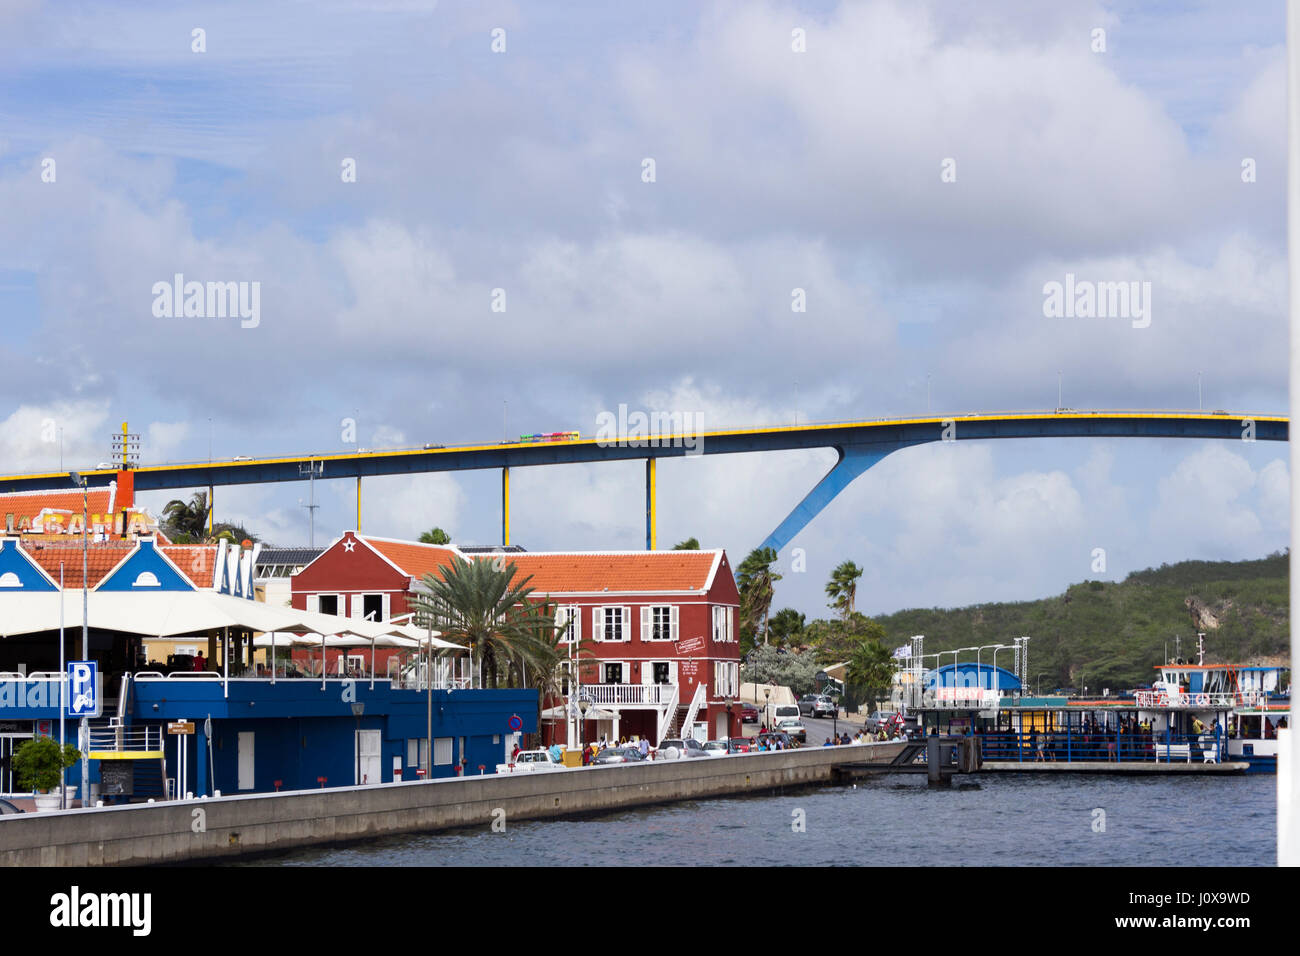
(772, 665)
(755, 580)
(690, 544)
(870, 670)
(39, 765)
(480, 604)
(186, 521)
(435, 536)
(842, 588)
(786, 626)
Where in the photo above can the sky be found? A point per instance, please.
(561, 208)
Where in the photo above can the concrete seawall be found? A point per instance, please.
(231, 827)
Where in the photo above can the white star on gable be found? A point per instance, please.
(349, 545)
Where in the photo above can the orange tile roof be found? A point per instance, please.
(101, 558)
(568, 572)
(28, 504)
(634, 572)
(413, 558)
(197, 562)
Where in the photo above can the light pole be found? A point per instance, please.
(584, 705)
(84, 729)
(767, 706)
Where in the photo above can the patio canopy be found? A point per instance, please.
(169, 613)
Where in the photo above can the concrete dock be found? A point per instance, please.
(237, 826)
(1112, 766)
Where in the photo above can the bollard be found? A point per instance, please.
(933, 761)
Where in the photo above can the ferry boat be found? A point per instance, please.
(1239, 707)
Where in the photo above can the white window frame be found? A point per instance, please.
(724, 617)
(564, 614)
(649, 626)
(443, 751)
(600, 624)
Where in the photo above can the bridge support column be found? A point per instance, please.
(358, 502)
(853, 461)
(505, 507)
(211, 508)
(651, 504)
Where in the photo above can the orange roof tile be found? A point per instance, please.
(413, 558)
(28, 504)
(632, 572)
(101, 558)
(197, 562)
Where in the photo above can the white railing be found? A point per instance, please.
(1159, 699)
(645, 695)
(668, 713)
(696, 702)
(119, 739)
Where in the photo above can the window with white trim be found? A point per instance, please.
(441, 751)
(611, 623)
(723, 622)
(570, 614)
(659, 623)
(726, 679)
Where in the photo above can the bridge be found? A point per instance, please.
(859, 445)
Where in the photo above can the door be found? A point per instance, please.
(368, 757)
(720, 726)
(245, 760)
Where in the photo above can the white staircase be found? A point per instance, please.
(696, 703)
(667, 714)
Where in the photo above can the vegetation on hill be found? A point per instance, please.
(1101, 635)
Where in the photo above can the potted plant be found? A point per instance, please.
(39, 764)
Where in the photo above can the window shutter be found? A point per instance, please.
(627, 624)
(561, 618)
(598, 623)
(358, 602)
(647, 672)
(313, 602)
(647, 623)
(387, 609)
(672, 672)
(575, 614)
(625, 672)
(672, 614)
(731, 620)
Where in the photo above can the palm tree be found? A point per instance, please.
(690, 544)
(474, 603)
(842, 588)
(187, 520)
(870, 667)
(755, 580)
(555, 663)
(435, 536)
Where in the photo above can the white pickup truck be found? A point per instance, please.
(531, 761)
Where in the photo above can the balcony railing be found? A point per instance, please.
(1159, 699)
(645, 695)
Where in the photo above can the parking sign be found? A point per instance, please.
(83, 689)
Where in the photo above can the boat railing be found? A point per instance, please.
(1071, 745)
(1159, 700)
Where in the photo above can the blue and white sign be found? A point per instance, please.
(83, 689)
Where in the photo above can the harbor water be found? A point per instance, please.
(985, 819)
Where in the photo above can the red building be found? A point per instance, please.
(654, 633)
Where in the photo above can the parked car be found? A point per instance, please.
(740, 745)
(817, 705)
(749, 714)
(782, 712)
(716, 748)
(795, 729)
(771, 737)
(675, 748)
(618, 755)
(879, 718)
(531, 761)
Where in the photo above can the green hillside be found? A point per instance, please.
(1104, 634)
